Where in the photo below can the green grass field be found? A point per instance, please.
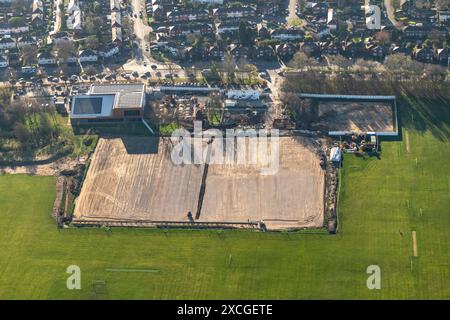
(376, 223)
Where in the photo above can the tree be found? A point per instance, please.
(64, 50)
(229, 66)
(214, 101)
(90, 70)
(29, 54)
(383, 37)
(338, 61)
(399, 62)
(246, 34)
(91, 42)
(435, 72)
(22, 133)
(127, 25)
(93, 25)
(302, 61)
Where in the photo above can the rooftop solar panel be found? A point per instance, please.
(91, 105)
(130, 95)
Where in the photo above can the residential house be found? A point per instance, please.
(116, 34)
(194, 53)
(287, 34)
(13, 58)
(7, 43)
(354, 49)
(187, 15)
(443, 16)
(26, 40)
(415, 32)
(114, 5)
(442, 56)
(268, 8)
(424, 54)
(73, 20)
(209, 2)
(234, 12)
(214, 52)
(71, 59)
(88, 55)
(3, 62)
(227, 27)
(264, 52)
(401, 50)
(60, 37)
(37, 13)
(159, 12)
(262, 31)
(317, 9)
(331, 20)
(322, 31)
(116, 20)
(239, 52)
(45, 59)
(6, 28)
(192, 28)
(286, 51)
(109, 51)
(330, 48)
(376, 51)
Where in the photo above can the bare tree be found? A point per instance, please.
(383, 37)
(399, 62)
(302, 61)
(339, 61)
(29, 54)
(64, 50)
(91, 42)
(229, 66)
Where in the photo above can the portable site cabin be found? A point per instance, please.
(335, 155)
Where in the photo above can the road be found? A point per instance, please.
(59, 15)
(292, 9)
(141, 30)
(58, 19)
(143, 61)
(389, 7)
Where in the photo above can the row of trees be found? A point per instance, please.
(396, 64)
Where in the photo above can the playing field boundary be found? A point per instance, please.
(414, 242)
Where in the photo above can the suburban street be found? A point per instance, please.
(292, 9)
(143, 61)
(389, 7)
(58, 17)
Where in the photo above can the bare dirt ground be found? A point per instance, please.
(50, 169)
(358, 117)
(290, 198)
(134, 178)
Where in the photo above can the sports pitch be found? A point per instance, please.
(134, 179)
(381, 203)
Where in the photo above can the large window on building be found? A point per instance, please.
(132, 113)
